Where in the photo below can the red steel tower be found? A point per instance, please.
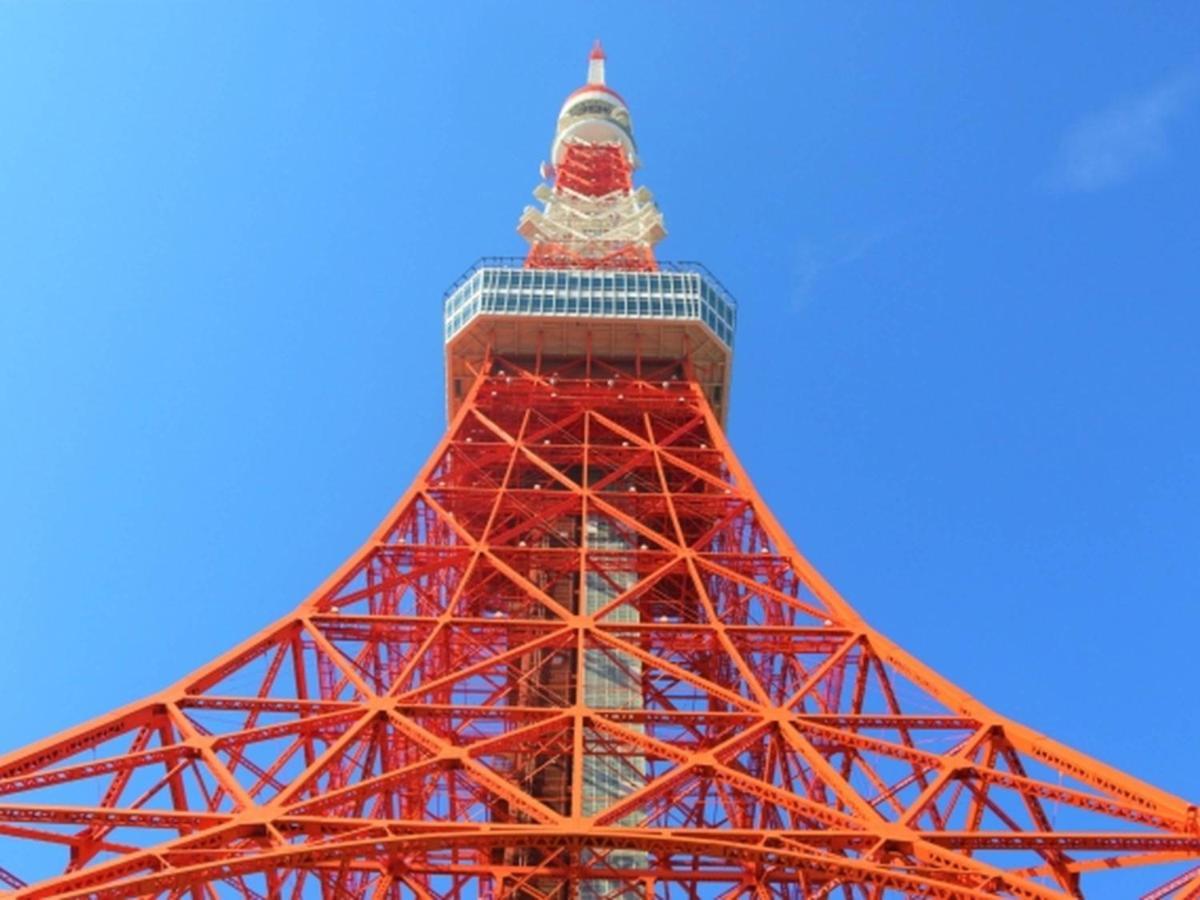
(579, 658)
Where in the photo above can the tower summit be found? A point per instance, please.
(579, 658)
(592, 216)
(590, 286)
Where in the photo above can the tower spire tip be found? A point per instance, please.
(596, 64)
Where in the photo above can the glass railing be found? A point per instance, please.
(676, 290)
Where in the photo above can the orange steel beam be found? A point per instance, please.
(400, 732)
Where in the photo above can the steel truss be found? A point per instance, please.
(423, 725)
(593, 218)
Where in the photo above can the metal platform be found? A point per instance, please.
(678, 311)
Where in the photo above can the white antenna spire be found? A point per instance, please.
(596, 64)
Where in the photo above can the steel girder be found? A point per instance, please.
(427, 723)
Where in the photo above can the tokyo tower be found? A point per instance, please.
(579, 658)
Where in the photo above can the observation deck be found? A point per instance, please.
(677, 311)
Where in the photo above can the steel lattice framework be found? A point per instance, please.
(592, 216)
(578, 659)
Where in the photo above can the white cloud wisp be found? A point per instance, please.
(1110, 147)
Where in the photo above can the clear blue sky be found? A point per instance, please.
(965, 239)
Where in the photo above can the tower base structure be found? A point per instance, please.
(578, 659)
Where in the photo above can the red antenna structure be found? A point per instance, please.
(592, 217)
(579, 658)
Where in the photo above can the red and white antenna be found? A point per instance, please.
(592, 217)
(596, 64)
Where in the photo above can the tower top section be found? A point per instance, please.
(591, 215)
(594, 114)
(591, 288)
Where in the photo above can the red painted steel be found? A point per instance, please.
(596, 171)
(418, 727)
(578, 659)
